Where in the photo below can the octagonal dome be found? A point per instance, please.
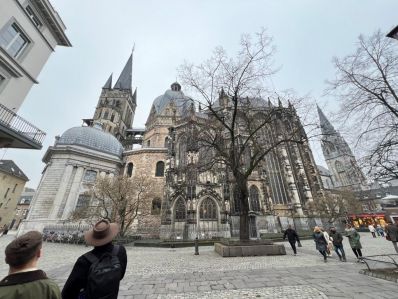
(92, 138)
(181, 101)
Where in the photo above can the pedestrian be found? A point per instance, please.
(292, 237)
(338, 243)
(329, 242)
(372, 230)
(355, 243)
(320, 242)
(25, 280)
(97, 273)
(380, 230)
(392, 234)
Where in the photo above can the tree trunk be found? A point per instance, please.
(243, 194)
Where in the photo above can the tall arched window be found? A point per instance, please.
(130, 167)
(254, 202)
(156, 206)
(159, 169)
(208, 209)
(180, 210)
(166, 142)
(182, 151)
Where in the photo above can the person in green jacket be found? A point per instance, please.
(355, 243)
(25, 280)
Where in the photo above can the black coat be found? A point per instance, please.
(291, 234)
(337, 238)
(77, 279)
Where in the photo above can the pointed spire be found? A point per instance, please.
(124, 81)
(108, 84)
(279, 102)
(326, 126)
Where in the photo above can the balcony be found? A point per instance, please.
(16, 132)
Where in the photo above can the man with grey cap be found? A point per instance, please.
(24, 280)
(97, 273)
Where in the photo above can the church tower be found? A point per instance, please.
(340, 160)
(116, 106)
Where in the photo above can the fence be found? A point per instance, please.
(19, 125)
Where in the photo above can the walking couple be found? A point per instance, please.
(324, 242)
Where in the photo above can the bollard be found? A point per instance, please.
(196, 246)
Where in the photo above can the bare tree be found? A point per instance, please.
(335, 205)
(119, 199)
(240, 128)
(367, 81)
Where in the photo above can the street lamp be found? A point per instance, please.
(393, 33)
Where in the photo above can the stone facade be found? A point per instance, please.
(345, 172)
(12, 183)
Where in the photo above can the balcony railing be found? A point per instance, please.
(18, 125)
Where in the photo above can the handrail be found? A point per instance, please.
(370, 258)
(16, 123)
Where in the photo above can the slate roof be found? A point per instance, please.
(124, 81)
(9, 167)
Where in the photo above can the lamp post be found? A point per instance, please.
(393, 33)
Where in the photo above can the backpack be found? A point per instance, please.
(104, 275)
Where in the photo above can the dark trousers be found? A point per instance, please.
(357, 252)
(373, 234)
(323, 253)
(293, 244)
(339, 251)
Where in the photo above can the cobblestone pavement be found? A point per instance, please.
(177, 273)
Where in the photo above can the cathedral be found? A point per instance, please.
(188, 201)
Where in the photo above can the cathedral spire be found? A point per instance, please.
(326, 126)
(124, 81)
(108, 84)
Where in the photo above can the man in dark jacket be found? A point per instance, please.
(292, 237)
(392, 233)
(100, 237)
(24, 280)
(338, 243)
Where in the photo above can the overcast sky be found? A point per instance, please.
(307, 34)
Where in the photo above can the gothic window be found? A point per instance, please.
(159, 169)
(275, 177)
(90, 176)
(148, 143)
(130, 168)
(226, 190)
(208, 209)
(106, 114)
(166, 142)
(180, 212)
(83, 201)
(113, 117)
(156, 206)
(236, 206)
(254, 201)
(182, 151)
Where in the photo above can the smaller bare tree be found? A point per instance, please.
(335, 206)
(119, 199)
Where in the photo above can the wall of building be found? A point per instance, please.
(30, 61)
(10, 191)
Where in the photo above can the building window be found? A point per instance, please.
(166, 142)
(83, 201)
(90, 176)
(5, 195)
(208, 209)
(148, 143)
(159, 169)
(15, 187)
(112, 117)
(130, 168)
(156, 206)
(13, 40)
(254, 202)
(180, 213)
(33, 16)
(106, 114)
